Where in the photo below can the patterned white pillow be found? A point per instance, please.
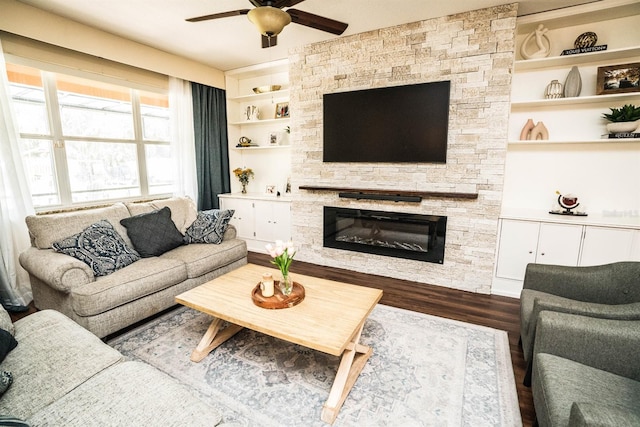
(100, 247)
(209, 226)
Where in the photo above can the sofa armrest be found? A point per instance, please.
(57, 270)
(605, 344)
(591, 309)
(592, 414)
(230, 233)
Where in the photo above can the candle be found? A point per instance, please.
(266, 286)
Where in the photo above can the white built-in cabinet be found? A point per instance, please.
(534, 241)
(259, 220)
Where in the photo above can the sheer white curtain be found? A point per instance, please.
(182, 138)
(15, 205)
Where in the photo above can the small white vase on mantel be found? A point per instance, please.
(620, 127)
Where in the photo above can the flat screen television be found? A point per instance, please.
(391, 124)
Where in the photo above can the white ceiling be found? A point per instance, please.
(233, 42)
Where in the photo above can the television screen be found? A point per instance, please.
(392, 124)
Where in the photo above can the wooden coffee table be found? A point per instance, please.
(330, 319)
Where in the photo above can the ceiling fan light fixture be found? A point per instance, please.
(269, 20)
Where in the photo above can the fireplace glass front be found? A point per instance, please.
(395, 234)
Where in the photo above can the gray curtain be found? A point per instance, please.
(212, 149)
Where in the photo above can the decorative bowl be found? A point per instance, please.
(265, 89)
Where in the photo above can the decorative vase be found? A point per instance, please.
(553, 90)
(286, 284)
(573, 83)
(244, 188)
(526, 130)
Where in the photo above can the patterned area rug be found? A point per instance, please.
(424, 371)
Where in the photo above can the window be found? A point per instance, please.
(85, 141)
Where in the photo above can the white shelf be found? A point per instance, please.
(261, 147)
(282, 93)
(584, 141)
(578, 59)
(575, 100)
(260, 122)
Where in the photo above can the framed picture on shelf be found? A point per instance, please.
(282, 110)
(274, 138)
(618, 79)
(270, 189)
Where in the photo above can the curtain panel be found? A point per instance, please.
(211, 141)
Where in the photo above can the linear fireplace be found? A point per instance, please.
(395, 234)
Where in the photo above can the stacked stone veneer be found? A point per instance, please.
(475, 51)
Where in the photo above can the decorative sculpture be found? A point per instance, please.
(531, 133)
(542, 43)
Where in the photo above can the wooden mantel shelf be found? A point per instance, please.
(365, 191)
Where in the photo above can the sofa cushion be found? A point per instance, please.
(209, 226)
(200, 258)
(153, 233)
(559, 382)
(129, 394)
(593, 414)
(145, 277)
(100, 247)
(183, 210)
(46, 229)
(7, 343)
(53, 357)
(5, 321)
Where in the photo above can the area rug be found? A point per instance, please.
(424, 371)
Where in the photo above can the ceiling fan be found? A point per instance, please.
(270, 19)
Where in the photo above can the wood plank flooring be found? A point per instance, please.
(487, 310)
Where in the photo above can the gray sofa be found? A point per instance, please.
(586, 371)
(106, 304)
(63, 375)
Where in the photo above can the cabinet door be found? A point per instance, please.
(264, 220)
(243, 218)
(518, 244)
(559, 244)
(604, 245)
(282, 221)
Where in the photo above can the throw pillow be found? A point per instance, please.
(153, 233)
(209, 226)
(7, 343)
(6, 379)
(100, 247)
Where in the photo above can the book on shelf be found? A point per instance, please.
(584, 50)
(621, 135)
(247, 144)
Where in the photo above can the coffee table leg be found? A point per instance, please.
(213, 338)
(353, 360)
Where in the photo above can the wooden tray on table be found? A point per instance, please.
(278, 300)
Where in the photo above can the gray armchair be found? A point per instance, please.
(586, 371)
(610, 291)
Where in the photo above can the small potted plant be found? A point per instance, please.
(623, 119)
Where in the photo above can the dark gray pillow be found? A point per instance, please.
(9, 421)
(100, 247)
(153, 233)
(7, 343)
(209, 226)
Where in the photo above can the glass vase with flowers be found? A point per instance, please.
(282, 254)
(243, 175)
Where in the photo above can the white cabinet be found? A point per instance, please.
(603, 245)
(259, 220)
(561, 243)
(524, 242)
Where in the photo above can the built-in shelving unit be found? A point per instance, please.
(271, 163)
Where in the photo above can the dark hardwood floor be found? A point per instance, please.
(487, 310)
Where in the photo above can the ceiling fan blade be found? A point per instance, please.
(285, 3)
(269, 41)
(218, 15)
(316, 21)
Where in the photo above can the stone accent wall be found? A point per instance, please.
(475, 51)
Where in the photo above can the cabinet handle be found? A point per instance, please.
(542, 254)
(530, 252)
